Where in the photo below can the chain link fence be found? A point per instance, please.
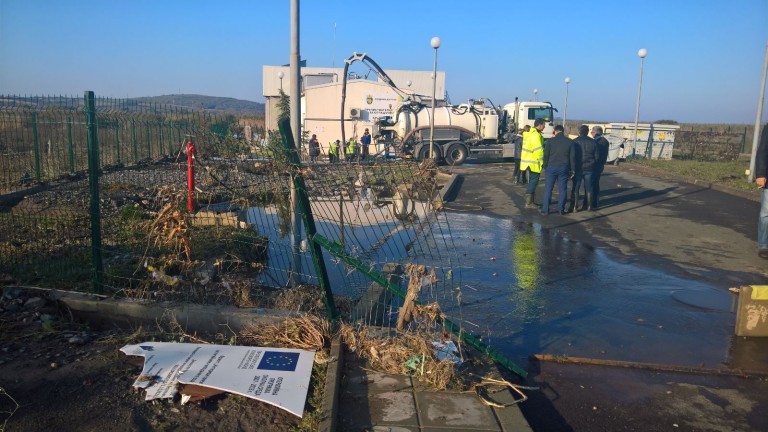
(186, 212)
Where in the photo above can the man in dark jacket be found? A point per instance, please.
(314, 149)
(559, 162)
(518, 177)
(597, 169)
(365, 142)
(761, 176)
(587, 148)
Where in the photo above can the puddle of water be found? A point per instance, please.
(374, 241)
(529, 291)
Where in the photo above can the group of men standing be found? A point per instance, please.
(350, 151)
(581, 160)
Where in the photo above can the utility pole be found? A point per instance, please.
(295, 93)
(758, 120)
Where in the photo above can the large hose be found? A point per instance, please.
(379, 72)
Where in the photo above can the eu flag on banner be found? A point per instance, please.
(279, 361)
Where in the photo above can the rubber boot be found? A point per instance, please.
(590, 207)
(529, 204)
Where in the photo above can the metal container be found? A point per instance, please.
(752, 313)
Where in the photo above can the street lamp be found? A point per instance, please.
(641, 53)
(536, 94)
(565, 113)
(281, 75)
(435, 42)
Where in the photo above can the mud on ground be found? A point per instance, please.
(59, 374)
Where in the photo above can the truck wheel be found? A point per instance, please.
(424, 152)
(456, 154)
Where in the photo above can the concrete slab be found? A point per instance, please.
(199, 318)
(361, 410)
(395, 429)
(510, 416)
(512, 419)
(330, 405)
(374, 398)
(455, 411)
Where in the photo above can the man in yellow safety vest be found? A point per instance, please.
(351, 151)
(532, 159)
(333, 151)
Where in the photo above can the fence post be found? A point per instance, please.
(37, 146)
(70, 143)
(160, 131)
(93, 179)
(306, 212)
(743, 141)
(191, 176)
(133, 138)
(149, 141)
(117, 142)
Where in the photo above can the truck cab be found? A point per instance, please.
(524, 113)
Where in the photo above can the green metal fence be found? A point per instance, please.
(56, 153)
(120, 223)
(43, 139)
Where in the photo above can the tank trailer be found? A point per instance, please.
(477, 128)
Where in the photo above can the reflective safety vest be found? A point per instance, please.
(532, 153)
(333, 149)
(352, 147)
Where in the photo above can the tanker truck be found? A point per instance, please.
(476, 129)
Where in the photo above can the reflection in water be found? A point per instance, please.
(526, 261)
(370, 232)
(527, 291)
(535, 292)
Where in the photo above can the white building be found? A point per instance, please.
(366, 100)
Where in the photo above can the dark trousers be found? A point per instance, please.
(365, 152)
(554, 174)
(597, 171)
(533, 181)
(583, 178)
(518, 175)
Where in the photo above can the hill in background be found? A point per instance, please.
(222, 105)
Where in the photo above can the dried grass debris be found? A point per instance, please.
(307, 332)
(393, 354)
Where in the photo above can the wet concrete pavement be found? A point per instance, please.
(643, 280)
(679, 228)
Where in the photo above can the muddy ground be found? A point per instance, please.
(60, 374)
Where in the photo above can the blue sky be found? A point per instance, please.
(704, 61)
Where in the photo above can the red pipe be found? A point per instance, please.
(191, 175)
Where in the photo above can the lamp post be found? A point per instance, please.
(642, 52)
(435, 42)
(536, 94)
(281, 75)
(755, 136)
(565, 113)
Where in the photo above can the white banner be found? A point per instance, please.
(380, 104)
(278, 376)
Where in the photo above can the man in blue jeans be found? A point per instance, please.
(597, 169)
(587, 153)
(531, 158)
(559, 164)
(761, 174)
